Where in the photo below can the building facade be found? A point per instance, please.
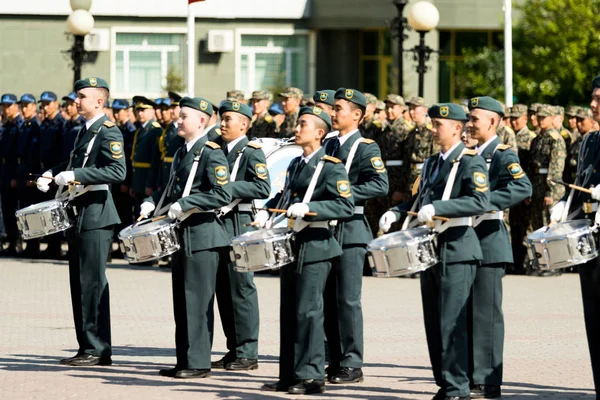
(141, 45)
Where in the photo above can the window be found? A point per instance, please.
(377, 75)
(270, 61)
(143, 60)
(453, 44)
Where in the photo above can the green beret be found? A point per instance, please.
(317, 112)
(235, 106)
(197, 103)
(351, 95)
(447, 111)
(324, 96)
(487, 103)
(596, 83)
(90, 82)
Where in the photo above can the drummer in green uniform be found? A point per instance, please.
(236, 292)
(508, 186)
(316, 183)
(96, 162)
(202, 234)
(446, 287)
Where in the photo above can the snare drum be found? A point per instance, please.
(262, 250)
(563, 245)
(149, 240)
(44, 219)
(402, 253)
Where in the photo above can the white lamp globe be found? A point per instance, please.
(423, 16)
(80, 22)
(81, 5)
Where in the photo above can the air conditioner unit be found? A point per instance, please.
(220, 41)
(97, 40)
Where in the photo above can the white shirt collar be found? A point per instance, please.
(208, 128)
(307, 158)
(447, 154)
(344, 138)
(192, 142)
(144, 124)
(232, 144)
(89, 123)
(481, 148)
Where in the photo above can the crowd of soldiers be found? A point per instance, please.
(34, 137)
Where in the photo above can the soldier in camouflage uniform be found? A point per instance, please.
(263, 125)
(559, 118)
(381, 114)
(533, 117)
(520, 214)
(585, 124)
(571, 113)
(370, 125)
(236, 95)
(548, 153)
(291, 106)
(506, 134)
(391, 143)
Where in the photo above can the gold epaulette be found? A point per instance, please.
(332, 159)
(108, 124)
(377, 123)
(156, 125)
(470, 152)
(254, 145)
(503, 147)
(555, 135)
(268, 118)
(367, 141)
(213, 145)
(218, 131)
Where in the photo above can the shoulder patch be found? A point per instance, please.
(332, 159)
(221, 174)
(343, 188)
(503, 147)
(254, 145)
(116, 149)
(480, 181)
(213, 145)
(108, 124)
(555, 135)
(367, 141)
(268, 118)
(470, 152)
(378, 164)
(516, 171)
(156, 125)
(261, 171)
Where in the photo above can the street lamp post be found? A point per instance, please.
(423, 17)
(399, 24)
(80, 22)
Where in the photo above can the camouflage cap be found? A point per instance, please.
(417, 101)
(371, 99)
(559, 110)
(380, 105)
(447, 111)
(262, 95)
(545, 110)
(292, 92)
(534, 107)
(235, 95)
(584, 112)
(395, 99)
(572, 111)
(518, 110)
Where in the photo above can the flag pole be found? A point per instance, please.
(191, 42)
(508, 60)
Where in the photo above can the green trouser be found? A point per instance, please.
(194, 279)
(589, 274)
(237, 299)
(88, 251)
(487, 325)
(445, 294)
(301, 329)
(343, 309)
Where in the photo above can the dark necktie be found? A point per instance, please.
(438, 167)
(299, 168)
(333, 147)
(183, 152)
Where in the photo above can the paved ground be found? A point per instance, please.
(546, 354)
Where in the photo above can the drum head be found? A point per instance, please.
(260, 235)
(561, 229)
(399, 238)
(45, 205)
(144, 227)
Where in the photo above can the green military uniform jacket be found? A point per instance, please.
(508, 187)
(213, 133)
(105, 165)
(210, 191)
(145, 146)
(332, 199)
(251, 182)
(368, 180)
(168, 144)
(263, 126)
(469, 197)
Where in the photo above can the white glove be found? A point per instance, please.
(386, 221)
(43, 184)
(426, 213)
(146, 208)
(175, 211)
(557, 211)
(64, 178)
(596, 193)
(261, 218)
(297, 210)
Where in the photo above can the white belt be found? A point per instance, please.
(462, 221)
(543, 171)
(394, 163)
(245, 207)
(91, 188)
(418, 166)
(359, 210)
(594, 207)
(488, 216)
(319, 224)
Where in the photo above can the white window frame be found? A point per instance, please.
(311, 56)
(164, 59)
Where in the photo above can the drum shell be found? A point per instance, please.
(156, 242)
(252, 252)
(398, 259)
(563, 251)
(44, 219)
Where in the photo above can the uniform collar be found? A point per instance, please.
(344, 138)
(88, 124)
(445, 155)
(481, 149)
(231, 145)
(192, 142)
(308, 158)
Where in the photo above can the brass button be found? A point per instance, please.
(594, 171)
(295, 195)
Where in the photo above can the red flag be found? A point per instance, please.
(193, 1)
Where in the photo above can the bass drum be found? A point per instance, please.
(280, 154)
